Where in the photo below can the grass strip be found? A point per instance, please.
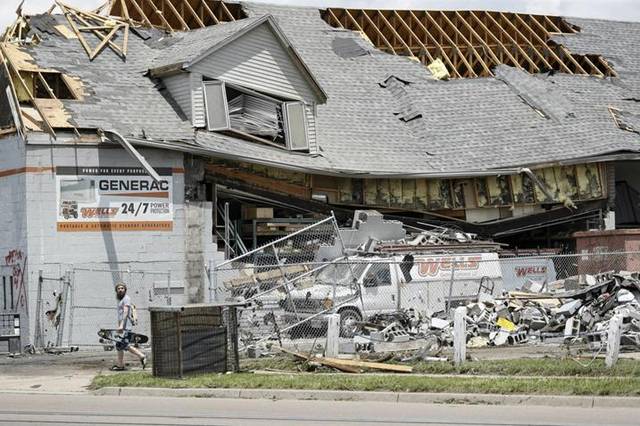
(401, 383)
(516, 367)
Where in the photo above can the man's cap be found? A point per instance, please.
(120, 283)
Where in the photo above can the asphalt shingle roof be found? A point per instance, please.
(384, 113)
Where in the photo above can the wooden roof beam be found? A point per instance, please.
(226, 10)
(544, 43)
(423, 47)
(468, 43)
(395, 33)
(451, 42)
(160, 15)
(376, 30)
(446, 58)
(141, 12)
(177, 14)
(193, 13)
(205, 7)
(526, 40)
(477, 36)
(504, 49)
(534, 66)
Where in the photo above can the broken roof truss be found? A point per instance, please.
(176, 15)
(470, 43)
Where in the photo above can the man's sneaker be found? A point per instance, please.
(143, 361)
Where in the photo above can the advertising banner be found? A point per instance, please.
(518, 271)
(113, 199)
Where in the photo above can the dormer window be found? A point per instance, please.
(255, 116)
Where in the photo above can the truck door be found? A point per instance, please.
(378, 290)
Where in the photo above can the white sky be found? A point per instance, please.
(624, 10)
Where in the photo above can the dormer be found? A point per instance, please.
(245, 79)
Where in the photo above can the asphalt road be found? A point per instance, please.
(48, 409)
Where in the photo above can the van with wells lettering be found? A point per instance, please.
(360, 286)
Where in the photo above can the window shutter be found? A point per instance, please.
(215, 100)
(295, 125)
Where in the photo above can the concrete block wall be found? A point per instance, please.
(55, 252)
(13, 223)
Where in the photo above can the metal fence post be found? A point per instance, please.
(460, 335)
(227, 247)
(38, 341)
(613, 341)
(66, 288)
(453, 270)
(169, 287)
(72, 303)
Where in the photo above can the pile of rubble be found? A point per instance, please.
(576, 309)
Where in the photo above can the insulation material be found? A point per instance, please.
(255, 116)
(438, 70)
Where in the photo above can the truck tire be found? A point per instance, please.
(348, 319)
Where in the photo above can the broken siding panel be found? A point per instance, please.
(257, 61)
(311, 128)
(198, 110)
(179, 86)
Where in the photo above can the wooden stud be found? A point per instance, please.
(564, 50)
(553, 25)
(28, 91)
(414, 35)
(125, 10)
(523, 37)
(141, 12)
(46, 85)
(159, 13)
(470, 70)
(104, 42)
(377, 31)
(212, 15)
(186, 4)
(514, 42)
(608, 67)
(83, 42)
(468, 43)
(592, 65)
(125, 41)
(226, 10)
(100, 35)
(482, 42)
(544, 44)
(177, 15)
(446, 58)
(336, 20)
(394, 32)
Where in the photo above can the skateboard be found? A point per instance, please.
(111, 336)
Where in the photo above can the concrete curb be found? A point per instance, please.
(423, 398)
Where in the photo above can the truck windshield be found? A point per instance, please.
(341, 273)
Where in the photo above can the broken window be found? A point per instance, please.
(256, 116)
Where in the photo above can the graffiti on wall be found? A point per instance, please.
(17, 261)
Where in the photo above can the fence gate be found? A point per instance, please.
(93, 301)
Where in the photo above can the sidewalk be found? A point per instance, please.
(422, 398)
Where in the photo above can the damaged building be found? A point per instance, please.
(134, 133)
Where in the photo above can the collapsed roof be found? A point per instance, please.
(385, 114)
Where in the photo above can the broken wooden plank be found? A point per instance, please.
(372, 365)
(322, 361)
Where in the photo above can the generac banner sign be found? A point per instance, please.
(113, 199)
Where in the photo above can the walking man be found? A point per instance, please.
(124, 328)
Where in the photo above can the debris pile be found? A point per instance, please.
(576, 310)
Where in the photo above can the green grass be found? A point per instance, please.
(515, 367)
(628, 386)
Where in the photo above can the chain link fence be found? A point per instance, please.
(290, 290)
(93, 302)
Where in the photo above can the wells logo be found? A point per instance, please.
(431, 267)
(523, 271)
(98, 212)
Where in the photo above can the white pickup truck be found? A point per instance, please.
(360, 286)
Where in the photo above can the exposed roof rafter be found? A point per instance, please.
(471, 43)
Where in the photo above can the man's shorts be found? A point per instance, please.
(123, 344)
